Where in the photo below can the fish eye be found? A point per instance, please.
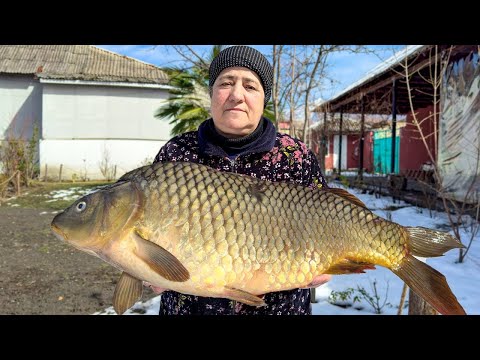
(82, 205)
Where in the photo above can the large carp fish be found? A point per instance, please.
(195, 230)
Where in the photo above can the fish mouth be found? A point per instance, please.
(58, 232)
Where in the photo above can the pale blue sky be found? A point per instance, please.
(346, 68)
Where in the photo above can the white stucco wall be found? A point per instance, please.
(81, 121)
(82, 158)
(99, 112)
(20, 106)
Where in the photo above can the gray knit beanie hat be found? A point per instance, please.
(243, 56)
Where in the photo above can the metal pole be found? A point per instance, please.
(362, 140)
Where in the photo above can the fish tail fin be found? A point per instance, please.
(430, 243)
(430, 285)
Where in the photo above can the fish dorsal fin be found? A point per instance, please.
(160, 260)
(128, 291)
(346, 195)
(243, 296)
(346, 266)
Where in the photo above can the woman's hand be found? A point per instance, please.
(156, 289)
(319, 280)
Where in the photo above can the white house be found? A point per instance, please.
(91, 106)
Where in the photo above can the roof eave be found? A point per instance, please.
(105, 83)
(377, 72)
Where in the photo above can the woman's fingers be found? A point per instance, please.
(155, 289)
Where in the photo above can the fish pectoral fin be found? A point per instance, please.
(243, 296)
(347, 266)
(346, 195)
(160, 260)
(128, 291)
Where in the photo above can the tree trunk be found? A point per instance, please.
(418, 306)
(402, 299)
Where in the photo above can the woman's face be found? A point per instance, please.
(237, 102)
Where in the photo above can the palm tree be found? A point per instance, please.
(189, 102)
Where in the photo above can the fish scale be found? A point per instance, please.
(307, 245)
(195, 230)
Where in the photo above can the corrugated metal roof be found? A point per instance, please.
(78, 62)
(395, 59)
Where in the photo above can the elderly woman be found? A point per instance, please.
(239, 139)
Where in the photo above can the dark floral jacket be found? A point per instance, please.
(275, 157)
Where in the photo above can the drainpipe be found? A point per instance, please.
(340, 143)
(362, 140)
(394, 123)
